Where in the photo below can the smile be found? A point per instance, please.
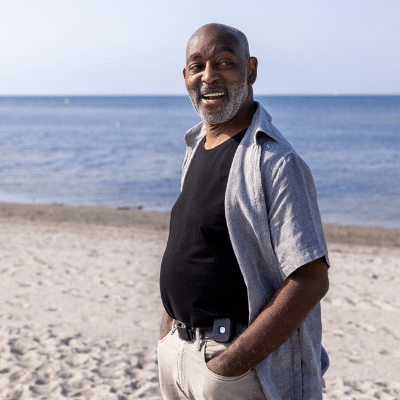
(212, 96)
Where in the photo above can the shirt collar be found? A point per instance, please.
(261, 123)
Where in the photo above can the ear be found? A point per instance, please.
(184, 73)
(252, 66)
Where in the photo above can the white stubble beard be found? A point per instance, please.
(237, 93)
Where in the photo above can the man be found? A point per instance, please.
(246, 260)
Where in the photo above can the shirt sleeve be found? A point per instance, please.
(295, 223)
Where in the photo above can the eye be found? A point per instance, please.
(225, 63)
(195, 67)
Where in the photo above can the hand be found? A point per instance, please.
(218, 367)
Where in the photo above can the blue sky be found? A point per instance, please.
(138, 47)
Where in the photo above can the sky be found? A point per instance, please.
(130, 47)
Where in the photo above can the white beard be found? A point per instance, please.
(237, 93)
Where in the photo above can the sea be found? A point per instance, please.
(127, 151)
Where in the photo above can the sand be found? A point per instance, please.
(81, 309)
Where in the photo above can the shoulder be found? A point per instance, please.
(277, 156)
(273, 152)
(273, 147)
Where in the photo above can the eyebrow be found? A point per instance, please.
(218, 49)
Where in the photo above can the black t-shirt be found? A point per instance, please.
(200, 278)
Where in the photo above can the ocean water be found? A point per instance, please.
(128, 151)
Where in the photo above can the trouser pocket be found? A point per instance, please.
(211, 350)
(216, 387)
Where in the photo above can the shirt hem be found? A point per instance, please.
(304, 257)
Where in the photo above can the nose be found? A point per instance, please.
(210, 75)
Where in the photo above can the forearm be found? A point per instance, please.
(282, 316)
(166, 325)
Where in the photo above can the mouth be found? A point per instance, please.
(212, 96)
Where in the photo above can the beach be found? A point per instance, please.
(81, 307)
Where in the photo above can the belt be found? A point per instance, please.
(223, 330)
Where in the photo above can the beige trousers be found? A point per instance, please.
(184, 373)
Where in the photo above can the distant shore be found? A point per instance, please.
(132, 217)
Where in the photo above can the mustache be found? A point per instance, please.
(204, 88)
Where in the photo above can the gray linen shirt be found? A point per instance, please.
(275, 227)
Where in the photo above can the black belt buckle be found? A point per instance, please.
(184, 331)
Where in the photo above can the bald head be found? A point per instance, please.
(219, 74)
(232, 35)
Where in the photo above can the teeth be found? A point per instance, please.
(213, 94)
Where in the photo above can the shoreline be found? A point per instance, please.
(131, 217)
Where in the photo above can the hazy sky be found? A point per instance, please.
(138, 47)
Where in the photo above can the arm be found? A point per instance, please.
(166, 325)
(282, 316)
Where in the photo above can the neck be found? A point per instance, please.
(219, 133)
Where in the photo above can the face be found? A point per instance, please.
(216, 75)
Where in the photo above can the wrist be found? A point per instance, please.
(223, 368)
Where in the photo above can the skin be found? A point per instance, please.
(306, 286)
(206, 64)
